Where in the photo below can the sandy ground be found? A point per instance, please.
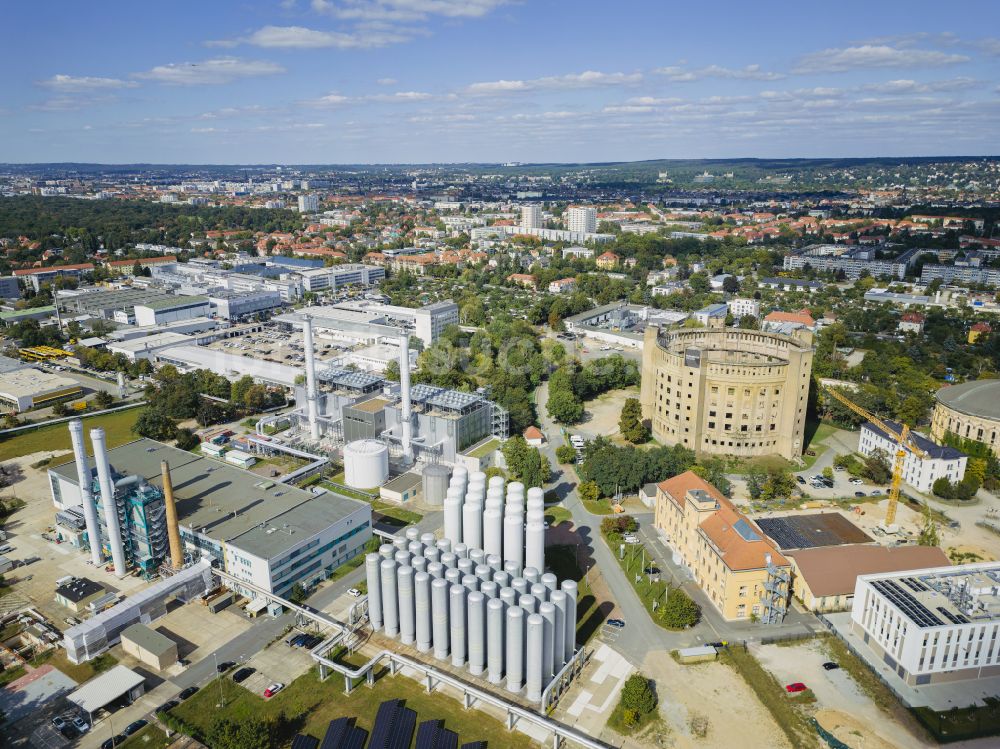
(603, 413)
(688, 692)
(843, 708)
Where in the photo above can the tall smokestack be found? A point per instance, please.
(311, 393)
(86, 496)
(108, 501)
(404, 386)
(173, 530)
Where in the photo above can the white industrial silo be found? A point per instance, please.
(529, 603)
(558, 599)
(422, 606)
(472, 524)
(407, 626)
(520, 585)
(493, 527)
(476, 602)
(495, 645)
(534, 545)
(86, 494)
(548, 613)
(439, 617)
(489, 589)
(374, 590)
(550, 581)
(436, 478)
(533, 657)
(390, 599)
(570, 589)
(435, 570)
(513, 539)
(515, 648)
(457, 622)
(540, 592)
(366, 464)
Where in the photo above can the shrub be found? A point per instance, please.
(618, 524)
(565, 453)
(638, 696)
(679, 611)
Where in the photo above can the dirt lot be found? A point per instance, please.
(843, 709)
(716, 694)
(603, 412)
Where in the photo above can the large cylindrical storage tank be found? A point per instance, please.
(532, 575)
(390, 599)
(472, 524)
(412, 533)
(407, 627)
(402, 558)
(495, 646)
(494, 562)
(548, 612)
(432, 554)
(515, 649)
(513, 539)
(570, 589)
(466, 566)
(456, 618)
(435, 570)
(415, 548)
(419, 564)
(529, 603)
(478, 556)
(453, 575)
(448, 560)
(540, 592)
(493, 531)
(440, 627)
(533, 657)
(387, 551)
(558, 599)
(489, 589)
(509, 597)
(422, 606)
(534, 546)
(470, 583)
(513, 569)
(550, 581)
(436, 477)
(374, 579)
(520, 585)
(461, 550)
(453, 519)
(401, 543)
(502, 579)
(477, 632)
(484, 573)
(366, 464)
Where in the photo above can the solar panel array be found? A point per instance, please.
(906, 603)
(812, 531)
(394, 726)
(433, 735)
(343, 734)
(302, 741)
(474, 745)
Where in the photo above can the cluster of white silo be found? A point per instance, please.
(516, 627)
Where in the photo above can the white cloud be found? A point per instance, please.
(339, 100)
(587, 79)
(906, 86)
(386, 81)
(209, 72)
(70, 83)
(299, 37)
(678, 74)
(62, 104)
(868, 56)
(628, 109)
(406, 10)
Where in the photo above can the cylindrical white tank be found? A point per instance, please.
(532, 575)
(534, 546)
(432, 554)
(461, 550)
(515, 488)
(401, 543)
(502, 579)
(407, 627)
(484, 573)
(515, 649)
(472, 524)
(428, 539)
(374, 590)
(509, 597)
(422, 598)
(457, 618)
(390, 599)
(494, 562)
(478, 556)
(496, 482)
(108, 503)
(436, 477)
(453, 575)
(453, 519)
(493, 531)
(529, 603)
(513, 540)
(366, 464)
(419, 564)
(387, 551)
(435, 570)
(415, 548)
(540, 593)
(470, 582)
(570, 589)
(536, 493)
(449, 560)
(412, 533)
(533, 657)
(495, 646)
(550, 581)
(477, 633)
(401, 558)
(439, 617)
(520, 585)
(466, 566)
(548, 613)
(558, 600)
(489, 589)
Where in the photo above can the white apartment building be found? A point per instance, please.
(582, 220)
(740, 307)
(578, 252)
(531, 217)
(308, 203)
(940, 624)
(338, 276)
(920, 473)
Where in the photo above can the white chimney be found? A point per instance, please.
(311, 394)
(404, 387)
(108, 501)
(86, 497)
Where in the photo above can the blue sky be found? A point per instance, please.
(366, 81)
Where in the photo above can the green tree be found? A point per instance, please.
(103, 399)
(525, 463)
(679, 611)
(928, 533)
(563, 406)
(565, 453)
(155, 425)
(631, 425)
(589, 491)
(246, 732)
(638, 695)
(943, 488)
(186, 439)
(876, 468)
(827, 473)
(297, 594)
(392, 370)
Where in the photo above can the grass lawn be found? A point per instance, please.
(556, 515)
(309, 705)
(11, 674)
(600, 507)
(343, 489)
(787, 711)
(77, 672)
(406, 517)
(487, 448)
(152, 736)
(117, 427)
(815, 435)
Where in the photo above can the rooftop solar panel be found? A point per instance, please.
(813, 530)
(746, 531)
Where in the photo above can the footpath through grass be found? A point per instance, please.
(55, 437)
(309, 704)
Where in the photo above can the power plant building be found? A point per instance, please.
(727, 391)
(268, 534)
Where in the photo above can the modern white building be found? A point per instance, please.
(710, 315)
(940, 624)
(338, 276)
(531, 217)
(308, 203)
(578, 252)
(740, 307)
(171, 308)
(920, 473)
(580, 219)
(233, 305)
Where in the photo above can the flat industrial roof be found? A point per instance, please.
(156, 340)
(976, 398)
(148, 639)
(232, 365)
(169, 302)
(227, 503)
(372, 405)
(22, 383)
(105, 688)
(812, 530)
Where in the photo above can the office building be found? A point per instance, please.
(337, 276)
(725, 391)
(308, 203)
(171, 308)
(234, 305)
(531, 217)
(920, 473)
(739, 307)
(582, 220)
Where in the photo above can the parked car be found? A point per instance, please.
(857, 481)
(831, 666)
(114, 741)
(80, 724)
(242, 675)
(354, 593)
(273, 689)
(167, 706)
(800, 479)
(188, 692)
(59, 722)
(136, 726)
(616, 623)
(224, 666)
(860, 494)
(796, 687)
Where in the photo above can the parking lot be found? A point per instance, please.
(277, 663)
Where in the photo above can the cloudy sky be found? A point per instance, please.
(362, 81)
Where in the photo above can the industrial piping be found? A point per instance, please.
(108, 502)
(86, 495)
(404, 387)
(311, 391)
(173, 528)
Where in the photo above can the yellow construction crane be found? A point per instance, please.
(903, 443)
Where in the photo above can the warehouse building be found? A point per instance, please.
(149, 647)
(24, 389)
(234, 305)
(171, 308)
(271, 535)
(108, 304)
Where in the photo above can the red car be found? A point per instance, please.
(796, 687)
(275, 688)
